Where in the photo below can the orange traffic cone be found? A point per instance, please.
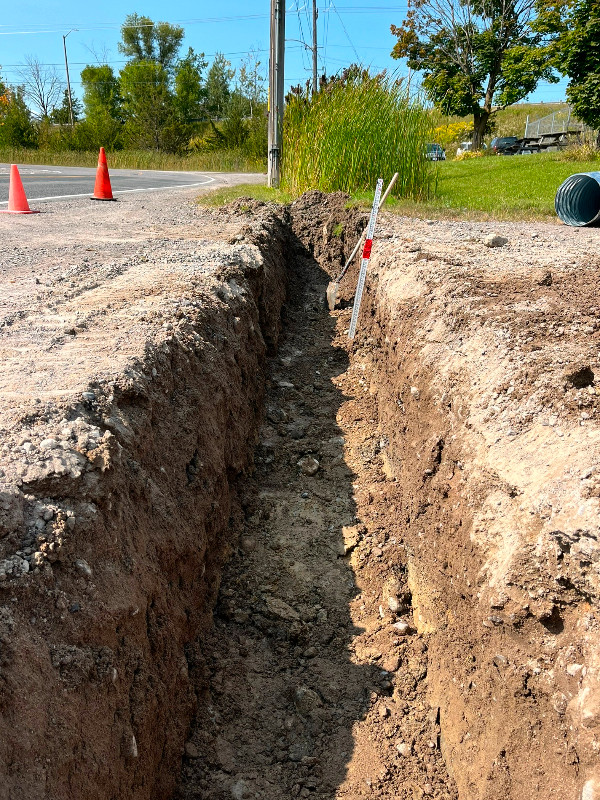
(102, 189)
(17, 201)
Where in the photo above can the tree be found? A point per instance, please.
(218, 79)
(252, 82)
(16, 126)
(102, 104)
(234, 126)
(42, 86)
(575, 26)
(101, 92)
(62, 114)
(150, 118)
(475, 55)
(145, 40)
(189, 89)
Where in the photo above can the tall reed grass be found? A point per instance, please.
(354, 131)
(215, 161)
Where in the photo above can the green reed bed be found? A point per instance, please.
(353, 132)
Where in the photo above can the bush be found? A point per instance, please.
(453, 132)
(101, 130)
(580, 152)
(467, 154)
(16, 126)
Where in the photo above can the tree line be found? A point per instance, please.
(477, 56)
(160, 100)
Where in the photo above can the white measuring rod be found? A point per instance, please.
(366, 255)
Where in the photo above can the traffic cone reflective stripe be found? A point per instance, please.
(102, 189)
(17, 200)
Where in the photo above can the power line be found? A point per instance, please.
(81, 26)
(345, 31)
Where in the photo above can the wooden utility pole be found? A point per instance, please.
(314, 47)
(276, 91)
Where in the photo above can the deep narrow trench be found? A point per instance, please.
(335, 593)
(306, 685)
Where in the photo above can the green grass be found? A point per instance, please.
(217, 161)
(497, 187)
(220, 197)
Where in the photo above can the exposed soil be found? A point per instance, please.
(409, 603)
(132, 383)
(471, 640)
(312, 692)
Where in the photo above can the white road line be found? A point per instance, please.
(117, 191)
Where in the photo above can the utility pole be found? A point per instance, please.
(276, 91)
(314, 47)
(68, 81)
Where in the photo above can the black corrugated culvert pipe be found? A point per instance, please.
(577, 200)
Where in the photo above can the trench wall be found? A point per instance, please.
(131, 515)
(134, 523)
(499, 524)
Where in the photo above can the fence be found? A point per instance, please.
(558, 122)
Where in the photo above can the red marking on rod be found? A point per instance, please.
(367, 250)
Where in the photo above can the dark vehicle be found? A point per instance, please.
(501, 144)
(435, 152)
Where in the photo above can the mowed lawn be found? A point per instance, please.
(499, 187)
(490, 187)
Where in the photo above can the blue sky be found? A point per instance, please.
(348, 30)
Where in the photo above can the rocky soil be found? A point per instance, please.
(408, 607)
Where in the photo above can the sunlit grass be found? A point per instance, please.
(220, 197)
(216, 161)
(350, 134)
(499, 187)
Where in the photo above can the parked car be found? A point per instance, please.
(435, 152)
(466, 147)
(500, 144)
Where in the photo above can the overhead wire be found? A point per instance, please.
(41, 28)
(345, 31)
(87, 26)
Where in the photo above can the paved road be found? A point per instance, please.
(53, 183)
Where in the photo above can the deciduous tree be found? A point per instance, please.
(101, 91)
(475, 55)
(145, 40)
(102, 103)
(16, 126)
(190, 93)
(575, 26)
(42, 86)
(150, 118)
